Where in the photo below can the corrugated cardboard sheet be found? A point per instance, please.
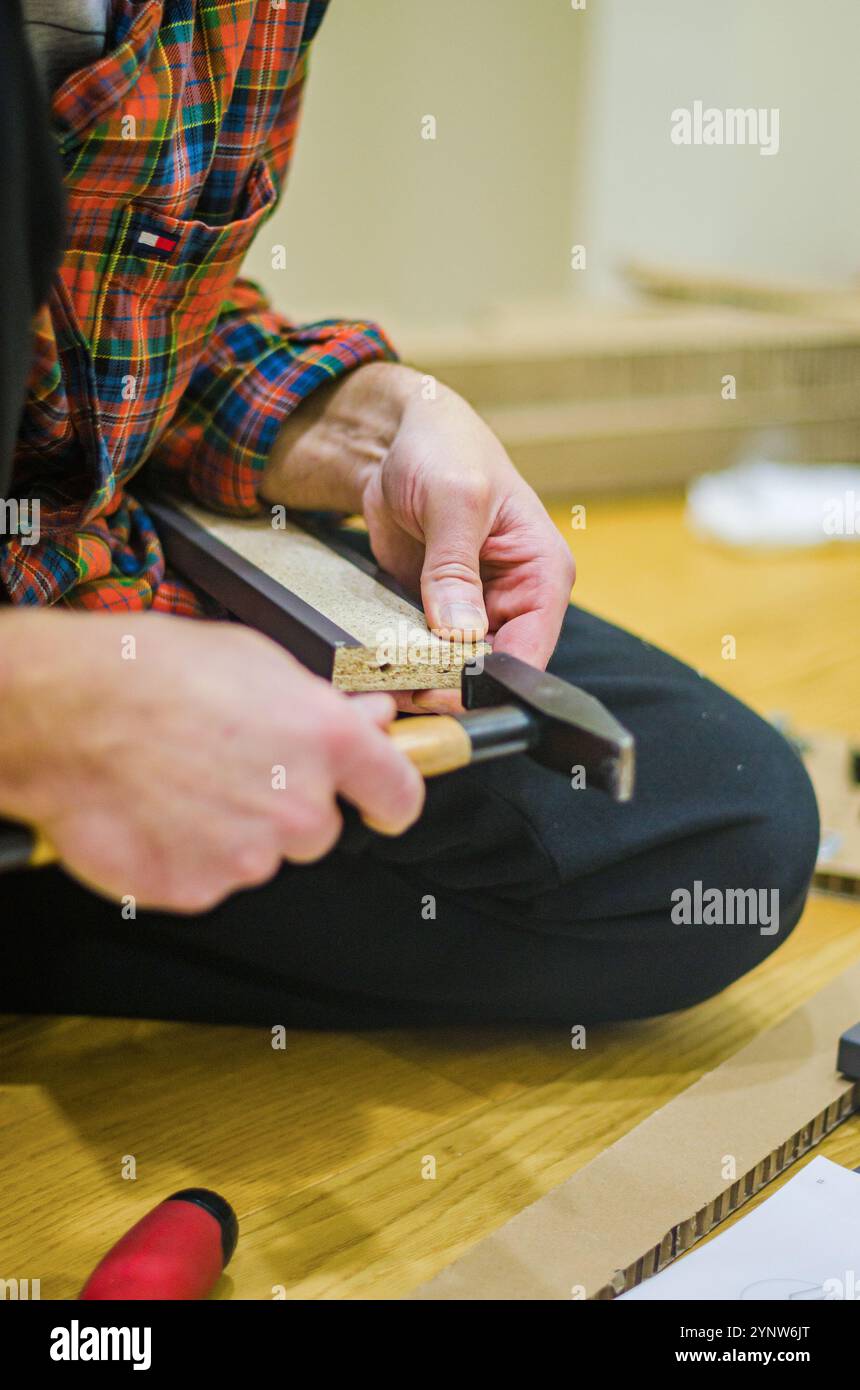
(655, 1192)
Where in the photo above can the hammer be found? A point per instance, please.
(514, 708)
(511, 708)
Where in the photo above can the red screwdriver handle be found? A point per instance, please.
(177, 1251)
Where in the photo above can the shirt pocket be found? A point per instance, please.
(161, 286)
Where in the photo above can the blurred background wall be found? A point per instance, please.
(553, 129)
(795, 213)
(379, 221)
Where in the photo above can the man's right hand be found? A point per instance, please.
(178, 761)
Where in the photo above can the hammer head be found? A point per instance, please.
(568, 728)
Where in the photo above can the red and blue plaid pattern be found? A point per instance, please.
(176, 145)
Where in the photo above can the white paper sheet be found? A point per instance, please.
(777, 504)
(803, 1243)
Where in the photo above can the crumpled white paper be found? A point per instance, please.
(773, 504)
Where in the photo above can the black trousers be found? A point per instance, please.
(516, 897)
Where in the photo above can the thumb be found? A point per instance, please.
(451, 588)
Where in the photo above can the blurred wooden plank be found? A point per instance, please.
(716, 287)
(631, 398)
(560, 450)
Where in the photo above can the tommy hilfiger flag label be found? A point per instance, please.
(154, 241)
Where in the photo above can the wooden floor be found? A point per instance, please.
(321, 1147)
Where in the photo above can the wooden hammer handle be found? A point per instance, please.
(435, 743)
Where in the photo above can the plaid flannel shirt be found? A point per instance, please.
(175, 146)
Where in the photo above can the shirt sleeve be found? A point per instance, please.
(254, 371)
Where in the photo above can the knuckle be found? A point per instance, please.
(567, 565)
(471, 488)
(449, 565)
(340, 735)
(405, 799)
(194, 897)
(169, 881)
(412, 790)
(561, 565)
(284, 819)
(253, 863)
(311, 835)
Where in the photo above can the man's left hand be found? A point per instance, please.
(446, 510)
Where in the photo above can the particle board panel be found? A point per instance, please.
(332, 608)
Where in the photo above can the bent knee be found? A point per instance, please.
(778, 846)
(754, 879)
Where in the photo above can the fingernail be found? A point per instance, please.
(425, 699)
(463, 617)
